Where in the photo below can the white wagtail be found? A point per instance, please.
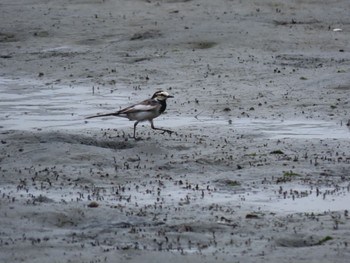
(146, 110)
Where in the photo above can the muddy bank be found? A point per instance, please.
(191, 196)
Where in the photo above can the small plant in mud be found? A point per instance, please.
(277, 152)
(251, 154)
(287, 177)
(324, 240)
(290, 174)
(232, 183)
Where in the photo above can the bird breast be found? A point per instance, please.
(141, 115)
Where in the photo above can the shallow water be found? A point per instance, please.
(274, 129)
(255, 200)
(28, 104)
(327, 200)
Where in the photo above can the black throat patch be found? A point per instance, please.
(163, 105)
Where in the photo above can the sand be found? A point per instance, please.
(257, 168)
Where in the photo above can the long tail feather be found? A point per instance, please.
(103, 115)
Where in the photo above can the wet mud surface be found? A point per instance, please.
(258, 166)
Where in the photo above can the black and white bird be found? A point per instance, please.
(146, 110)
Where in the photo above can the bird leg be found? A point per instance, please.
(160, 129)
(134, 137)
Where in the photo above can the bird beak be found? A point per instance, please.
(169, 96)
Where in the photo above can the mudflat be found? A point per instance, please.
(257, 169)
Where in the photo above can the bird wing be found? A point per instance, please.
(146, 105)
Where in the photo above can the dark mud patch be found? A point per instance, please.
(41, 33)
(43, 199)
(150, 34)
(296, 241)
(202, 44)
(7, 37)
(344, 87)
(176, 1)
(61, 54)
(131, 60)
(301, 61)
(89, 41)
(58, 137)
(295, 22)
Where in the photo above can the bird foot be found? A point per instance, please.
(135, 138)
(168, 131)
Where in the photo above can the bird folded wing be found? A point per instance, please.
(138, 108)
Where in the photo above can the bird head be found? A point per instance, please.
(161, 95)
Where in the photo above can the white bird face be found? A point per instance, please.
(161, 95)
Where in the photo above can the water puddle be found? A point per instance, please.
(274, 129)
(29, 104)
(300, 128)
